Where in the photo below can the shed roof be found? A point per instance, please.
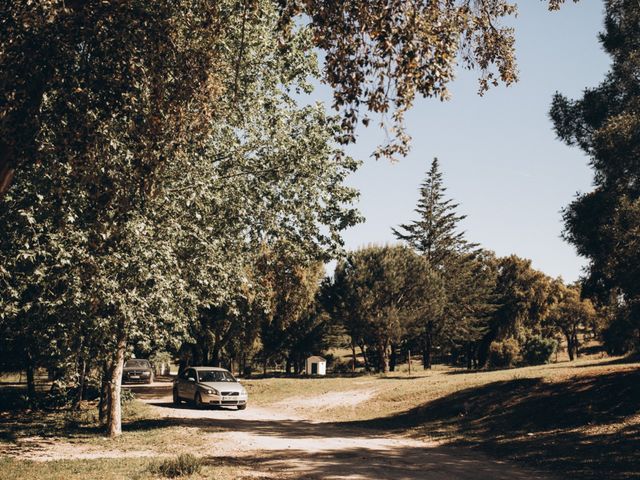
(315, 358)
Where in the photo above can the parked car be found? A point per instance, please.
(137, 370)
(209, 386)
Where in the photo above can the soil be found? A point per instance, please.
(285, 441)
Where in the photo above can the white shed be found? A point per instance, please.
(315, 366)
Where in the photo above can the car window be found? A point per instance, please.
(137, 363)
(191, 373)
(215, 376)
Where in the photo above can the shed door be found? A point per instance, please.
(314, 368)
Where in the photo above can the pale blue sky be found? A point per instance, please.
(499, 155)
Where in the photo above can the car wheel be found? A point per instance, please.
(176, 398)
(242, 407)
(198, 401)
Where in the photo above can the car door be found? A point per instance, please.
(184, 383)
(189, 384)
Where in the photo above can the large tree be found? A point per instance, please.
(132, 256)
(604, 224)
(88, 59)
(379, 293)
(467, 276)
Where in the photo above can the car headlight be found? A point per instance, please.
(146, 374)
(212, 391)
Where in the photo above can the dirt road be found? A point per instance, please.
(284, 441)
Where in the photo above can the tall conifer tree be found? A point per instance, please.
(466, 274)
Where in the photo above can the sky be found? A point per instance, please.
(499, 155)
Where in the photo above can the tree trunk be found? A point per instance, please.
(393, 359)
(288, 366)
(383, 358)
(427, 351)
(114, 417)
(367, 367)
(31, 381)
(353, 357)
(82, 374)
(104, 401)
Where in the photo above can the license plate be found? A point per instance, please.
(134, 376)
(228, 398)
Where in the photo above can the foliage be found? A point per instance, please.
(381, 293)
(524, 297)
(504, 354)
(176, 55)
(570, 314)
(104, 251)
(537, 350)
(603, 224)
(466, 271)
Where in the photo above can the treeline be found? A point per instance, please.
(439, 293)
(435, 295)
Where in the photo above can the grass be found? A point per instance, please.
(105, 469)
(581, 419)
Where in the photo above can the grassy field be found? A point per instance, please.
(580, 419)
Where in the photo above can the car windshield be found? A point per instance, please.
(134, 363)
(215, 376)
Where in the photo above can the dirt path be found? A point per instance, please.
(286, 442)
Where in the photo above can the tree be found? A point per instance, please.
(523, 296)
(98, 240)
(603, 224)
(99, 56)
(436, 235)
(571, 313)
(379, 293)
(290, 286)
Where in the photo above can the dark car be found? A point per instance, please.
(137, 371)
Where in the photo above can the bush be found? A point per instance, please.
(183, 464)
(126, 396)
(504, 354)
(537, 350)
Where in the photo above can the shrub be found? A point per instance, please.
(504, 354)
(537, 350)
(183, 464)
(126, 396)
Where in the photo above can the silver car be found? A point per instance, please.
(209, 386)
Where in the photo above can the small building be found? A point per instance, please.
(315, 366)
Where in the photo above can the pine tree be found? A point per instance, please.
(464, 268)
(435, 234)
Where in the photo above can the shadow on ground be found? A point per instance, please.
(582, 427)
(398, 463)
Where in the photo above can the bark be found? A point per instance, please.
(353, 357)
(383, 355)
(427, 351)
(393, 358)
(114, 417)
(82, 375)
(288, 366)
(367, 367)
(31, 382)
(102, 403)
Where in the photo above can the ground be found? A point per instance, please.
(578, 420)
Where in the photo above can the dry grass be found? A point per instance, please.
(581, 419)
